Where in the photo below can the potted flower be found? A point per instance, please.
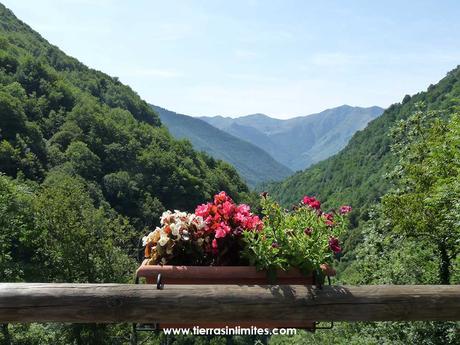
(209, 242)
(305, 238)
(224, 243)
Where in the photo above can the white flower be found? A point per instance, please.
(163, 239)
(175, 229)
(165, 216)
(180, 214)
(150, 237)
(199, 222)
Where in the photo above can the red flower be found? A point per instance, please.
(221, 198)
(223, 217)
(312, 202)
(329, 218)
(334, 245)
(214, 246)
(345, 209)
(308, 231)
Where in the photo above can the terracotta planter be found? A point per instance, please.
(240, 275)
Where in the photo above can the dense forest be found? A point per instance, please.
(86, 168)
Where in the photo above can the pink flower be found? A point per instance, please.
(227, 209)
(203, 210)
(275, 245)
(334, 245)
(239, 217)
(243, 209)
(312, 202)
(222, 230)
(345, 209)
(308, 231)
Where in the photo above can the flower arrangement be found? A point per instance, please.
(224, 233)
(210, 236)
(305, 238)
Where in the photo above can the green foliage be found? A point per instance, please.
(411, 237)
(297, 239)
(424, 203)
(88, 167)
(357, 175)
(16, 220)
(74, 240)
(57, 114)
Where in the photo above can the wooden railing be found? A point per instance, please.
(109, 303)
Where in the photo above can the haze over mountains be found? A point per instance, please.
(266, 149)
(254, 164)
(301, 141)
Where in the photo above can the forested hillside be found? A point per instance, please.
(254, 164)
(85, 169)
(400, 174)
(300, 141)
(409, 226)
(357, 173)
(58, 116)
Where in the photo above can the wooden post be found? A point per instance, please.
(109, 303)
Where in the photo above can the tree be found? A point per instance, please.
(425, 201)
(83, 160)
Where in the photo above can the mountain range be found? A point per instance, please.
(356, 174)
(264, 149)
(300, 141)
(254, 164)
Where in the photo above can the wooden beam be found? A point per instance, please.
(109, 303)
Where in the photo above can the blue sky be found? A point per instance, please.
(283, 58)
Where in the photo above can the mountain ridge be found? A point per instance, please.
(253, 163)
(354, 175)
(302, 140)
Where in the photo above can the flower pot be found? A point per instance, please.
(210, 275)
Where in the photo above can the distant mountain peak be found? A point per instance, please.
(253, 163)
(256, 115)
(300, 141)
